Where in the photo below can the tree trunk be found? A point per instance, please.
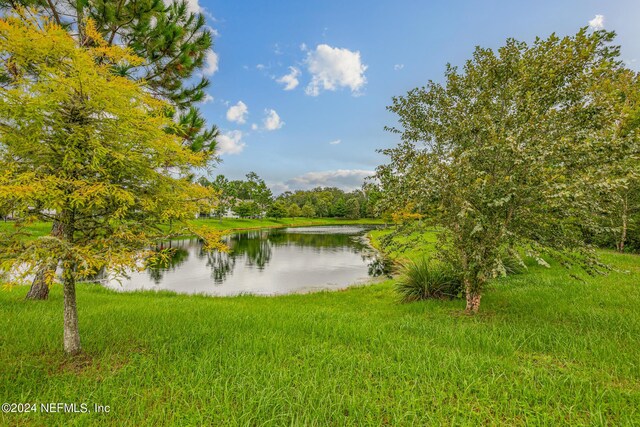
(71, 332)
(473, 297)
(623, 233)
(39, 288)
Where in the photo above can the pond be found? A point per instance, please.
(265, 262)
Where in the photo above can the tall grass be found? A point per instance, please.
(544, 350)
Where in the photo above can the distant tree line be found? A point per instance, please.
(248, 198)
(330, 202)
(251, 198)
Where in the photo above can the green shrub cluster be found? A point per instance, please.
(425, 279)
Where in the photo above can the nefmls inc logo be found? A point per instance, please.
(77, 408)
(64, 407)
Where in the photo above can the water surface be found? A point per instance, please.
(264, 262)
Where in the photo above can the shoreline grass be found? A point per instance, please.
(42, 228)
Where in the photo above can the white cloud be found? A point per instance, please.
(260, 66)
(398, 67)
(213, 31)
(345, 179)
(278, 187)
(303, 47)
(272, 120)
(210, 63)
(597, 23)
(207, 98)
(238, 113)
(230, 143)
(336, 142)
(194, 6)
(290, 81)
(332, 68)
(254, 126)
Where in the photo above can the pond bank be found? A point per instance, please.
(38, 229)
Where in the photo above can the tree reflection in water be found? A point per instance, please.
(319, 241)
(255, 245)
(176, 257)
(256, 248)
(308, 257)
(220, 263)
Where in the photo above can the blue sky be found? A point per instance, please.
(299, 88)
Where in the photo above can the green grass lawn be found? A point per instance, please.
(247, 224)
(416, 245)
(38, 229)
(545, 350)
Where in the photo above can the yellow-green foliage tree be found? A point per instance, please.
(88, 150)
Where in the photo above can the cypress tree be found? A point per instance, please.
(173, 41)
